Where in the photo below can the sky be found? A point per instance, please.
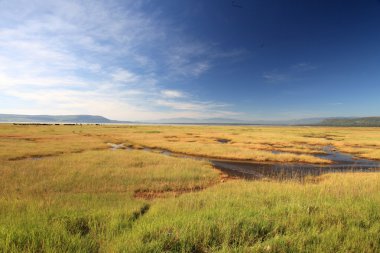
(150, 60)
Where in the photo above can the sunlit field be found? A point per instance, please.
(63, 189)
(297, 144)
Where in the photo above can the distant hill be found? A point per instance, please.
(365, 122)
(199, 121)
(56, 119)
(221, 121)
(337, 121)
(353, 121)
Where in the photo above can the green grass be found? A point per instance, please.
(297, 144)
(341, 214)
(80, 202)
(83, 197)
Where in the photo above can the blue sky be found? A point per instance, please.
(146, 60)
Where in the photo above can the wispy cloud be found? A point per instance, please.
(124, 76)
(172, 94)
(103, 57)
(303, 66)
(199, 108)
(192, 105)
(275, 77)
(289, 74)
(192, 59)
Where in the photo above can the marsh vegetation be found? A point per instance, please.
(63, 188)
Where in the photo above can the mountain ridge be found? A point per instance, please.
(362, 121)
(83, 118)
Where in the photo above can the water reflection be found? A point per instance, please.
(278, 171)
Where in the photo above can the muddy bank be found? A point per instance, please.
(279, 171)
(223, 140)
(338, 157)
(287, 171)
(299, 171)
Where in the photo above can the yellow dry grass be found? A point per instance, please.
(293, 144)
(83, 197)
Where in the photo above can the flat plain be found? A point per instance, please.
(67, 188)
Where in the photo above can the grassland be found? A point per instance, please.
(79, 202)
(296, 144)
(340, 214)
(63, 190)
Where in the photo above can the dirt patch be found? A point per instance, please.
(148, 194)
(221, 140)
(153, 194)
(39, 157)
(33, 157)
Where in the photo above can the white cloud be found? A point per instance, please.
(289, 74)
(124, 76)
(275, 77)
(172, 93)
(196, 109)
(200, 67)
(191, 105)
(181, 105)
(73, 57)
